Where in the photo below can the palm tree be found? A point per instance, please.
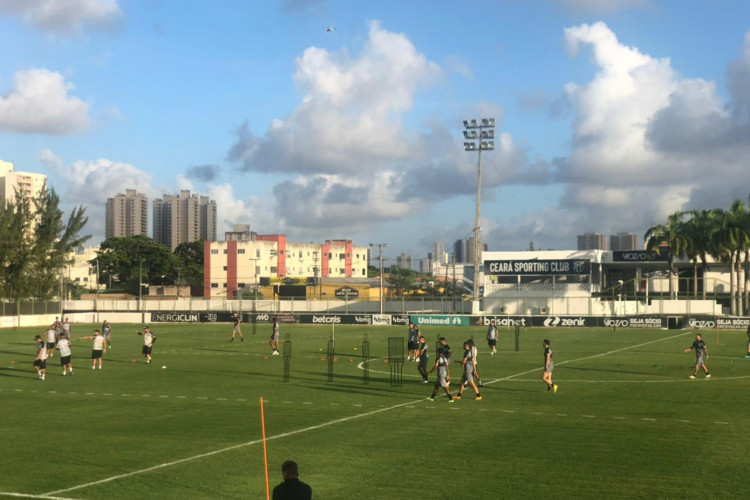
(673, 235)
(699, 230)
(731, 240)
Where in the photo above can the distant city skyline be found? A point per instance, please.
(609, 114)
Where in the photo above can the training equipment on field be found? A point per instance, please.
(331, 349)
(396, 360)
(365, 360)
(287, 357)
(163, 367)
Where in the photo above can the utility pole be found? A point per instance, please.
(380, 258)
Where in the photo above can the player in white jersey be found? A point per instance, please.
(67, 328)
(97, 348)
(148, 343)
(52, 337)
(40, 360)
(65, 354)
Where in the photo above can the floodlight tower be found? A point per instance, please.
(479, 136)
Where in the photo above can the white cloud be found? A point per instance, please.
(39, 103)
(64, 16)
(349, 121)
(92, 182)
(647, 141)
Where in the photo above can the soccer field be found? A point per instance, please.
(626, 422)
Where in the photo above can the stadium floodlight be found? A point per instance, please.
(380, 257)
(485, 137)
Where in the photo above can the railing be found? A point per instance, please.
(29, 308)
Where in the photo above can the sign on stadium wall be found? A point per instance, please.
(710, 322)
(638, 256)
(537, 267)
(440, 320)
(634, 322)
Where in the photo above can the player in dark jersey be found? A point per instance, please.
(237, 330)
(469, 367)
(549, 365)
(701, 355)
(446, 348)
(747, 356)
(442, 364)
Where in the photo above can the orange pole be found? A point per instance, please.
(265, 451)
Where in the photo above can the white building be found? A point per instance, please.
(25, 183)
(232, 266)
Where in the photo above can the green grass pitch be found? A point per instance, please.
(626, 422)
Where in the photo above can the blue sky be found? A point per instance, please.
(611, 114)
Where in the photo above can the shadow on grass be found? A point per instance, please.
(568, 367)
(13, 372)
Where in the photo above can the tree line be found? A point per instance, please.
(36, 244)
(723, 234)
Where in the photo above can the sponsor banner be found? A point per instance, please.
(268, 317)
(638, 256)
(566, 321)
(634, 322)
(503, 321)
(712, 322)
(336, 319)
(382, 319)
(400, 319)
(175, 317)
(440, 320)
(537, 267)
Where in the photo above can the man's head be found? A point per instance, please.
(289, 469)
(96, 332)
(492, 322)
(442, 340)
(422, 340)
(698, 336)
(546, 343)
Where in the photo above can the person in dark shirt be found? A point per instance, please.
(292, 488)
(446, 349)
(748, 342)
(549, 365)
(701, 355)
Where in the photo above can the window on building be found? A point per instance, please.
(225, 251)
(273, 269)
(241, 251)
(240, 285)
(214, 251)
(257, 253)
(225, 285)
(225, 268)
(214, 285)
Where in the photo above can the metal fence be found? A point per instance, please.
(30, 308)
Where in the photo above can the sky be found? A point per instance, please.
(610, 114)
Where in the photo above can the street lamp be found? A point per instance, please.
(380, 257)
(479, 136)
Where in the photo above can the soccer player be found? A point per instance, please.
(52, 337)
(97, 348)
(274, 340)
(549, 365)
(412, 343)
(148, 343)
(40, 360)
(106, 332)
(292, 488)
(747, 356)
(423, 357)
(442, 364)
(701, 355)
(57, 325)
(492, 336)
(65, 354)
(475, 357)
(66, 328)
(446, 349)
(468, 375)
(237, 330)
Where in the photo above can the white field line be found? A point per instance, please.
(28, 495)
(533, 370)
(229, 448)
(311, 428)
